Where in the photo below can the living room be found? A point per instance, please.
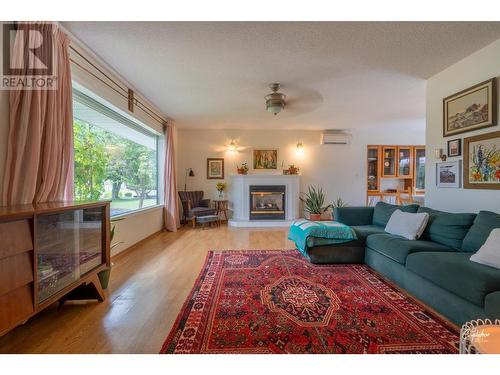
(192, 186)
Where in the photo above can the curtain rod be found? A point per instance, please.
(144, 107)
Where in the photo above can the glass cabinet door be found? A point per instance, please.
(373, 169)
(389, 162)
(68, 244)
(90, 239)
(419, 168)
(404, 162)
(56, 240)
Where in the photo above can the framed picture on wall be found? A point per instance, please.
(454, 148)
(471, 109)
(482, 161)
(448, 174)
(215, 168)
(265, 159)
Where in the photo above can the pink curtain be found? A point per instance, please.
(39, 163)
(171, 203)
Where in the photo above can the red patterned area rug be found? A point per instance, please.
(278, 302)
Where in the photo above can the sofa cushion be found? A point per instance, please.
(202, 211)
(398, 248)
(383, 212)
(447, 228)
(484, 222)
(454, 272)
(406, 224)
(363, 231)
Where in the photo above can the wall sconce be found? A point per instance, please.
(232, 146)
(300, 148)
(190, 173)
(438, 154)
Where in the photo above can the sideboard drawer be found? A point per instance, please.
(15, 307)
(16, 271)
(16, 237)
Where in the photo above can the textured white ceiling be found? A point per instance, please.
(336, 75)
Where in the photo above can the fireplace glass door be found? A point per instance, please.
(267, 202)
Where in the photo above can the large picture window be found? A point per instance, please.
(115, 157)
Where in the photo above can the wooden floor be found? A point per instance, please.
(148, 286)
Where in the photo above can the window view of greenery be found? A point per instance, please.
(109, 166)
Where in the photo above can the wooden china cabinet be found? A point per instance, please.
(396, 162)
(50, 252)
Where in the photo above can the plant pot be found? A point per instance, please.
(104, 276)
(315, 217)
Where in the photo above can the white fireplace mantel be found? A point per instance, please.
(240, 199)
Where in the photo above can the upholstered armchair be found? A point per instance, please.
(193, 204)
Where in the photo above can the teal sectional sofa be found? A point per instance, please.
(436, 268)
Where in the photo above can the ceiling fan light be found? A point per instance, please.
(275, 102)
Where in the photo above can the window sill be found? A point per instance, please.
(139, 211)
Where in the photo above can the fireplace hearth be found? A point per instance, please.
(267, 202)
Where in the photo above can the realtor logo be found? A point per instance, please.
(28, 57)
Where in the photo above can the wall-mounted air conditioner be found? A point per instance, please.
(336, 138)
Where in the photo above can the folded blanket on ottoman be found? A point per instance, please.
(306, 234)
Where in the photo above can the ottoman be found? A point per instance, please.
(208, 220)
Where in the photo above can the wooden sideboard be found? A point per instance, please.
(396, 162)
(50, 252)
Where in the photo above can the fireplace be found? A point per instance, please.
(267, 202)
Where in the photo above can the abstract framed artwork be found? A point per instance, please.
(454, 148)
(471, 109)
(482, 161)
(215, 168)
(448, 174)
(265, 159)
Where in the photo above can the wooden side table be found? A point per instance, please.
(221, 205)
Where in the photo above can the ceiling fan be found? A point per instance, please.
(275, 102)
(304, 100)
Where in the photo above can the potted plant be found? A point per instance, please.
(292, 169)
(314, 202)
(105, 274)
(243, 169)
(221, 186)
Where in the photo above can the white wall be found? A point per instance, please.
(339, 169)
(480, 66)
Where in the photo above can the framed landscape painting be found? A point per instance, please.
(448, 174)
(482, 161)
(215, 168)
(470, 109)
(265, 159)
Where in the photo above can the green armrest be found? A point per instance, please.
(353, 215)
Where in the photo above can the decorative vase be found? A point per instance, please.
(104, 276)
(221, 195)
(315, 217)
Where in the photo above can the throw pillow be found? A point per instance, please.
(489, 253)
(407, 225)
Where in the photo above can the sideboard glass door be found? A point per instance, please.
(56, 245)
(90, 224)
(68, 245)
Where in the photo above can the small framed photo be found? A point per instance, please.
(215, 168)
(448, 174)
(454, 148)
